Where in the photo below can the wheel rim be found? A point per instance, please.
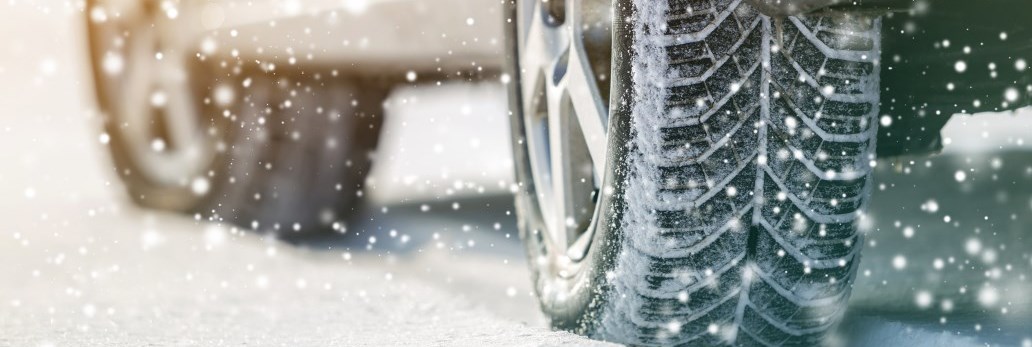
(564, 60)
(142, 54)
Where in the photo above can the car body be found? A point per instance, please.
(942, 58)
(375, 37)
(185, 88)
(397, 41)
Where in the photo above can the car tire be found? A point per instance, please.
(736, 165)
(282, 150)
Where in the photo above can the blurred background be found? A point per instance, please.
(432, 255)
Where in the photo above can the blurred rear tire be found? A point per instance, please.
(297, 153)
(282, 150)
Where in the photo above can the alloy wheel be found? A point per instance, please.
(142, 52)
(564, 59)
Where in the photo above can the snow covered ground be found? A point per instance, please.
(947, 261)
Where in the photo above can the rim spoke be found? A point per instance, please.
(587, 101)
(543, 45)
(179, 116)
(565, 119)
(541, 42)
(536, 94)
(537, 127)
(150, 98)
(138, 81)
(559, 143)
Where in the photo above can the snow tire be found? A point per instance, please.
(740, 153)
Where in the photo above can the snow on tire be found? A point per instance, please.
(739, 153)
(749, 169)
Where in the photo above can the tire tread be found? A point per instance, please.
(749, 177)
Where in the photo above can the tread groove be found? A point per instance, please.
(784, 241)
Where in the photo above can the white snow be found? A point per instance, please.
(966, 134)
(93, 270)
(878, 332)
(959, 176)
(1011, 94)
(899, 262)
(448, 140)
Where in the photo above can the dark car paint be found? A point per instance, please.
(918, 64)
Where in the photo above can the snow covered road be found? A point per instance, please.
(947, 261)
(126, 277)
(89, 270)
